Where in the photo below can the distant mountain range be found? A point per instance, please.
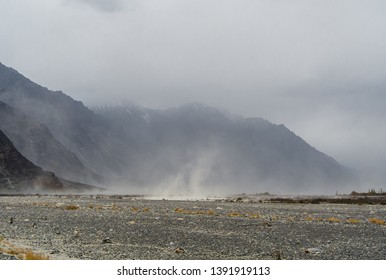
(198, 147)
(190, 149)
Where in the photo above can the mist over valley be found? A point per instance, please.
(193, 149)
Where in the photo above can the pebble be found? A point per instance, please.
(179, 250)
(7, 257)
(313, 251)
(106, 240)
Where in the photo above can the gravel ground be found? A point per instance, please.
(101, 228)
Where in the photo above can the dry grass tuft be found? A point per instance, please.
(20, 253)
(377, 221)
(29, 255)
(291, 219)
(234, 214)
(353, 221)
(115, 207)
(194, 212)
(333, 220)
(253, 215)
(71, 207)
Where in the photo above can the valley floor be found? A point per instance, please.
(115, 227)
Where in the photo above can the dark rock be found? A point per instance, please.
(7, 257)
(179, 250)
(107, 240)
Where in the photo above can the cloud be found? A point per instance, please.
(319, 67)
(102, 5)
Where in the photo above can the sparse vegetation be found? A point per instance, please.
(291, 219)
(254, 215)
(194, 212)
(20, 253)
(71, 207)
(115, 207)
(377, 221)
(234, 214)
(354, 198)
(98, 207)
(352, 221)
(29, 255)
(333, 220)
(202, 223)
(43, 204)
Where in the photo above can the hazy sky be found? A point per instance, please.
(317, 66)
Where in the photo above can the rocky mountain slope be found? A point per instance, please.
(190, 149)
(77, 128)
(17, 174)
(35, 142)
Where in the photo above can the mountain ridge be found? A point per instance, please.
(191, 148)
(37, 144)
(190, 131)
(17, 174)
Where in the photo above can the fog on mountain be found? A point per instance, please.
(192, 149)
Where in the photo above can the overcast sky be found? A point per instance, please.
(319, 67)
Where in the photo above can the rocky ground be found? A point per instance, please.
(115, 227)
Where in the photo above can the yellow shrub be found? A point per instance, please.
(309, 218)
(377, 221)
(71, 207)
(29, 255)
(353, 221)
(333, 220)
(234, 214)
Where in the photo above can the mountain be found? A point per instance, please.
(78, 129)
(204, 149)
(17, 174)
(34, 141)
(190, 149)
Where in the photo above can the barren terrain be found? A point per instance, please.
(124, 227)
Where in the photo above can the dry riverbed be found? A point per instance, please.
(113, 227)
